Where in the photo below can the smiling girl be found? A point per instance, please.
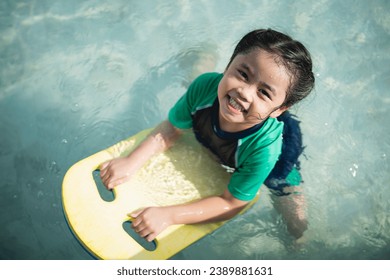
(234, 114)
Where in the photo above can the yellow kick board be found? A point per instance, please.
(184, 173)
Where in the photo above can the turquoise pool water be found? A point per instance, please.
(78, 76)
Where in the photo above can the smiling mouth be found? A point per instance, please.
(236, 105)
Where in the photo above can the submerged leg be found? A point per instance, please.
(285, 178)
(292, 208)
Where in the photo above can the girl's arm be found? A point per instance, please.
(118, 171)
(149, 222)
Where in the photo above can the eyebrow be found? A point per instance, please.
(249, 69)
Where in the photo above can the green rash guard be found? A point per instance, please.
(250, 154)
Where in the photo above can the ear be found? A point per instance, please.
(279, 111)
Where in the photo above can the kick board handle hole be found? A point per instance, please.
(104, 193)
(150, 246)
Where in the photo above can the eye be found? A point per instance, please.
(243, 74)
(265, 93)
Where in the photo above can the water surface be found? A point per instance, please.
(77, 77)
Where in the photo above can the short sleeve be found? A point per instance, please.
(202, 90)
(180, 114)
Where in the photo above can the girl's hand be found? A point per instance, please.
(151, 221)
(116, 172)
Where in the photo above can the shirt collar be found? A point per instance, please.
(230, 135)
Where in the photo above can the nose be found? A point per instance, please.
(246, 93)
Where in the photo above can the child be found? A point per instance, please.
(234, 115)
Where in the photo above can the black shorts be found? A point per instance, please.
(286, 171)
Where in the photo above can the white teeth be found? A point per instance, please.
(235, 105)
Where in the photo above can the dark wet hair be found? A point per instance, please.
(290, 53)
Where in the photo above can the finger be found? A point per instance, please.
(120, 181)
(144, 233)
(137, 222)
(139, 228)
(130, 218)
(106, 173)
(112, 184)
(151, 237)
(103, 167)
(106, 180)
(136, 213)
(103, 172)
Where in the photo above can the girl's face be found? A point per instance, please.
(253, 88)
